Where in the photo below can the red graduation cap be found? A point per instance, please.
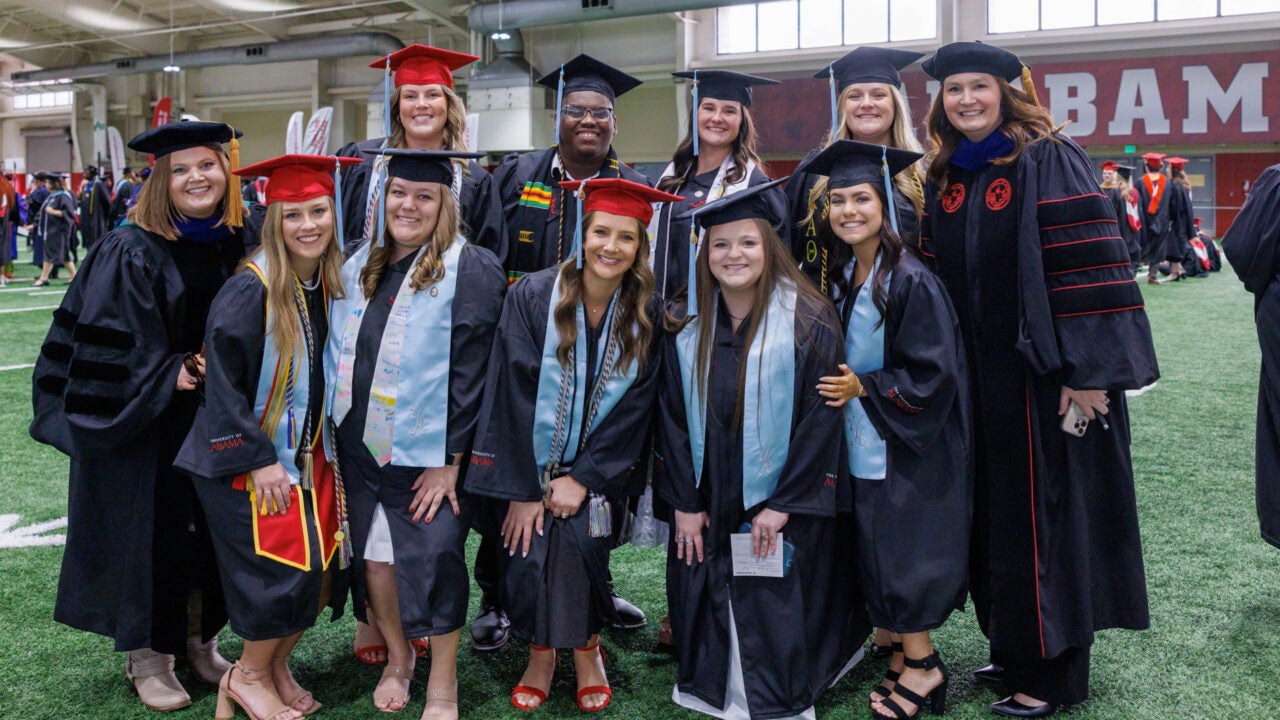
(1197, 221)
(1177, 162)
(297, 178)
(424, 65)
(1153, 159)
(619, 197)
(1109, 165)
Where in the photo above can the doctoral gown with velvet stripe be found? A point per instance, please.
(796, 632)
(1253, 247)
(1040, 278)
(503, 467)
(104, 394)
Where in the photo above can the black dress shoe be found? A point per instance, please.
(489, 629)
(992, 673)
(1009, 707)
(630, 617)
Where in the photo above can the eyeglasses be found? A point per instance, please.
(577, 112)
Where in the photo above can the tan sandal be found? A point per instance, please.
(226, 696)
(304, 698)
(393, 671)
(444, 696)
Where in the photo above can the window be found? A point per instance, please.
(42, 100)
(1020, 15)
(793, 24)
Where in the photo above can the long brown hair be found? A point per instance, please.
(154, 210)
(1179, 175)
(455, 123)
(744, 151)
(840, 254)
(1022, 120)
(902, 135)
(282, 307)
(633, 325)
(430, 266)
(778, 267)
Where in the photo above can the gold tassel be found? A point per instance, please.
(1028, 85)
(235, 205)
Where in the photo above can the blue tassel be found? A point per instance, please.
(692, 292)
(695, 113)
(888, 187)
(577, 227)
(337, 201)
(386, 99)
(835, 112)
(559, 102)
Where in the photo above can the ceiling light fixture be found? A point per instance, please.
(500, 34)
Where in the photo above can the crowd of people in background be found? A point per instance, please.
(896, 385)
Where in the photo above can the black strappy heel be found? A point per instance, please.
(889, 675)
(936, 698)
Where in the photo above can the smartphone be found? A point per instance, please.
(1073, 420)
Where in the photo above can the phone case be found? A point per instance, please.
(1073, 420)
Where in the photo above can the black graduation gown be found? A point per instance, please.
(503, 467)
(35, 200)
(481, 212)
(1182, 227)
(95, 212)
(58, 232)
(266, 599)
(1041, 281)
(1252, 245)
(804, 243)
(794, 633)
(540, 234)
(1157, 227)
(913, 526)
(1132, 238)
(432, 582)
(120, 204)
(671, 243)
(104, 394)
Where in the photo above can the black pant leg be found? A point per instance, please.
(1062, 680)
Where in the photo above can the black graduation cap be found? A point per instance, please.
(41, 175)
(175, 136)
(742, 205)
(1125, 171)
(965, 57)
(724, 84)
(587, 73)
(434, 166)
(869, 65)
(849, 162)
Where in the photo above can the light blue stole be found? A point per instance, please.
(421, 410)
(271, 401)
(550, 410)
(864, 352)
(768, 400)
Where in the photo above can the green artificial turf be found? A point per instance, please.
(1212, 650)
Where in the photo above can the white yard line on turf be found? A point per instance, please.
(17, 367)
(26, 287)
(18, 310)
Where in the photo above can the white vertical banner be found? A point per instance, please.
(471, 137)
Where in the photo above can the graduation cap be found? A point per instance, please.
(615, 196)
(1177, 162)
(184, 134)
(1154, 159)
(299, 178)
(1109, 165)
(848, 162)
(423, 65)
(1197, 220)
(41, 175)
(747, 204)
(434, 166)
(864, 65)
(979, 57)
(720, 85)
(1125, 171)
(585, 73)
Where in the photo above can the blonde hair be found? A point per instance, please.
(455, 123)
(633, 325)
(154, 210)
(430, 266)
(901, 136)
(281, 281)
